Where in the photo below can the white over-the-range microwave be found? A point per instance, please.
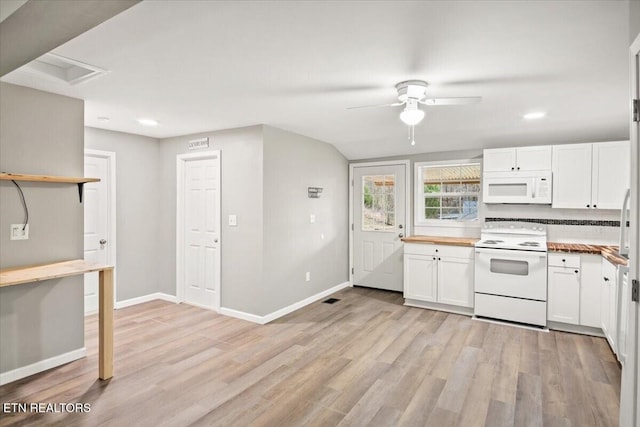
(517, 187)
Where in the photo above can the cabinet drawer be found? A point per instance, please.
(563, 260)
(439, 250)
(420, 248)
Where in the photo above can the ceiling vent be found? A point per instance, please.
(63, 69)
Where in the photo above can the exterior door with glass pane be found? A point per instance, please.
(378, 224)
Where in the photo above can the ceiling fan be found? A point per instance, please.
(411, 94)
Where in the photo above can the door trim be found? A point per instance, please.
(407, 197)
(630, 381)
(181, 160)
(110, 156)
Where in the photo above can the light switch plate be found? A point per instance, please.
(233, 220)
(17, 232)
(312, 218)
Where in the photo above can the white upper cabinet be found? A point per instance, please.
(533, 158)
(499, 159)
(517, 159)
(587, 176)
(611, 177)
(571, 176)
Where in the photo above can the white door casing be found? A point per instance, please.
(630, 387)
(379, 216)
(198, 229)
(99, 203)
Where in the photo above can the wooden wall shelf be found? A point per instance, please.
(80, 181)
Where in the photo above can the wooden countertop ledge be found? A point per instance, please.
(20, 275)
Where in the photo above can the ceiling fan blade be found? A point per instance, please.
(452, 101)
(395, 104)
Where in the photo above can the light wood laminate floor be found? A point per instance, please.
(366, 360)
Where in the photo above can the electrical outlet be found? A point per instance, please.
(312, 218)
(233, 220)
(19, 232)
(308, 276)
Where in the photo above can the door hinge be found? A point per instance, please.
(635, 290)
(352, 227)
(351, 270)
(636, 110)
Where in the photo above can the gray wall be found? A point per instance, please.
(634, 19)
(292, 245)
(40, 133)
(241, 194)
(138, 226)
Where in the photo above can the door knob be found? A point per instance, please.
(400, 226)
(103, 242)
(401, 235)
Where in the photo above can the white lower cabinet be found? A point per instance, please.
(609, 300)
(420, 277)
(564, 295)
(455, 281)
(439, 274)
(574, 289)
(590, 283)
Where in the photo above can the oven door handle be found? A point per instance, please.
(511, 253)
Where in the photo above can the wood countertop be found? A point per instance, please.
(441, 240)
(608, 252)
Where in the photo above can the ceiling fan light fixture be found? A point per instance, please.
(411, 116)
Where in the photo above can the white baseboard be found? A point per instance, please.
(145, 298)
(242, 315)
(283, 311)
(43, 365)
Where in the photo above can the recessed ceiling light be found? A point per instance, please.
(148, 122)
(103, 119)
(534, 115)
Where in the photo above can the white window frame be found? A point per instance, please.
(418, 195)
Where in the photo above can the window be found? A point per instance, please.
(447, 191)
(378, 202)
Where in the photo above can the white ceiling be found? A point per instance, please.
(205, 65)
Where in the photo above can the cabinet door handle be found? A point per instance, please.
(576, 271)
(588, 206)
(606, 279)
(401, 235)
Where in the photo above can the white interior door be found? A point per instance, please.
(379, 221)
(630, 390)
(96, 224)
(201, 231)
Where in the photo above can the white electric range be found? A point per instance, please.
(511, 273)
